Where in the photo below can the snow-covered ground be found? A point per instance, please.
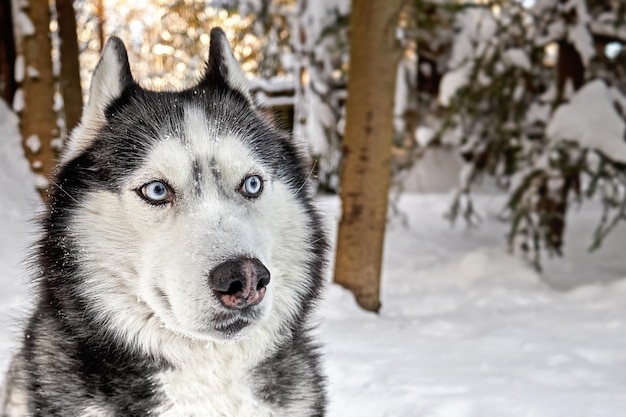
(466, 330)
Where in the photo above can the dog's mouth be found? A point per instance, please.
(222, 323)
(231, 323)
(237, 289)
(232, 329)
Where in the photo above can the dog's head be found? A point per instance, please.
(182, 212)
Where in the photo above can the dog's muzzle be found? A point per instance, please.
(240, 282)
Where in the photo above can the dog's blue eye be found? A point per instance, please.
(156, 192)
(252, 186)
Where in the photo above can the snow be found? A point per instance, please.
(273, 85)
(319, 58)
(465, 329)
(33, 73)
(607, 24)
(19, 69)
(23, 24)
(33, 143)
(424, 135)
(452, 82)
(579, 34)
(18, 100)
(17, 207)
(590, 118)
(476, 29)
(405, 74)
(583, 41)
(517, 57)
(538, 113)
(41, 182)
(266, 101)
(319, 15)
(320, 118)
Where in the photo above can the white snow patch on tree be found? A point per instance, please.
(18, 100)
(579, 34)
(33, 73)
(452, 82)
(476, 27)
(517, 57)
(590, 118)
(23, 24)
(538, 112)
(320, 57)
(583, 41)
(33, 143)
(19, 68)
(319, 15)
(465, 176)
(424, 135)
(57, 144)
(58, 102)
(41, 182)
(401, 99)
(321, 118)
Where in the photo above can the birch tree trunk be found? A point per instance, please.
(366, 169)
(37, 116)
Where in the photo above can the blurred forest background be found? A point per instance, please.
(524, 97)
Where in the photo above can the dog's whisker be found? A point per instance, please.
(64, 192)
(306, 180)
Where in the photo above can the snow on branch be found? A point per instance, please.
(592, 120)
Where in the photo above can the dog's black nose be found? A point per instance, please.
(239, 283)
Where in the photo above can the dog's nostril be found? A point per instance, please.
(263, 282)
(234, 288)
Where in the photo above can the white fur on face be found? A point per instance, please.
(147, 266)
(209, 222)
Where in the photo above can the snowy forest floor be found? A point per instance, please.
(466, 330)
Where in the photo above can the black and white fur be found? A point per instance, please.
(128, 320)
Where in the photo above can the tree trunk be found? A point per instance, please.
(7, 53)
(38, 119)
(366, 169)
(70, 71)
(100, 14)
(569, 67)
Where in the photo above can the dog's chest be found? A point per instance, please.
(208, 391)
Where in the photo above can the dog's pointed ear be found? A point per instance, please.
(222, 66)
(111, 76)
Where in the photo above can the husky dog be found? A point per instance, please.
(179, 260)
